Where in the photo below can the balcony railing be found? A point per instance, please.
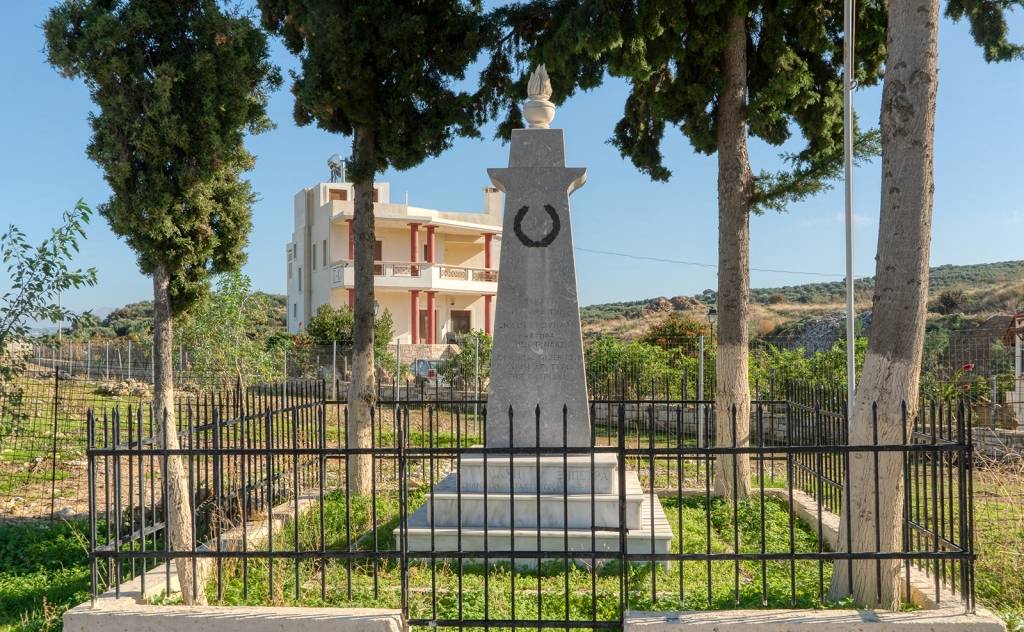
(425, 274)
(459, 273)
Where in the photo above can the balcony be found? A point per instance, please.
(420, 275)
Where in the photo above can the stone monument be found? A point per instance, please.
(527, 501)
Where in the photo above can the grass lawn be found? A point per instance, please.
(44, 570)
(999, 542)
(590, 593)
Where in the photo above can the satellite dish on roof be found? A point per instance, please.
(337, 166)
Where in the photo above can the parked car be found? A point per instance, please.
(427, 373)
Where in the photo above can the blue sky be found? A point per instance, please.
(978, 216)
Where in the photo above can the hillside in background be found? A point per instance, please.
(136, 319)
(976, 291)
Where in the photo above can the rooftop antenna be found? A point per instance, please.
(337, 166)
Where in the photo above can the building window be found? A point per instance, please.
(378, 255)
(289, 270)
(338, 195)
(300, 278)
(325, 253)
(376, 194)
(314, 256)
(295, 310)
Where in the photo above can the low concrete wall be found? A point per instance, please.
(139, 618)
(943, 620)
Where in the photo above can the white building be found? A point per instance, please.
(1015, 398)
(436, 271)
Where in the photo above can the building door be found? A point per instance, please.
(460, 322)
(424, 336)
(378, 254)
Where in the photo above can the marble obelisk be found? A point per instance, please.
(538, 348)
(499, 501)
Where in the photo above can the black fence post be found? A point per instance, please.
(53, 451)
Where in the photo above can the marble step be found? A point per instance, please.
(577, 469)
(444, 510)
(421, 538)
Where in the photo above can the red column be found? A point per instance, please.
(431, 324)
(414, 314)
(430, 244)
(414, 246)
(351, 241)
(351, 298)
(488, 237)
(488, 327)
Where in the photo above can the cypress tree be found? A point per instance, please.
(177, 84)
(383, 74)
(719, 72)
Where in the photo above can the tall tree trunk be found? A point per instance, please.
(735, 193)
(362, 395)
(177, 503)
(893, 363)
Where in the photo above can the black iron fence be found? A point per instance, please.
(457, 534)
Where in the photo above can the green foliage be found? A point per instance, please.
(608, 311)
(950, 301)
(331, 325)
(460, 367)
(385, 67)
(677, 331)
(44, 570)
(224, 335)
(383, 333)
(178, 84)
(770, 364)
(37, 275)
(35, 278)
(134, 320)
(988, 26)
(86, 325)
(639, 369)
(671, 54)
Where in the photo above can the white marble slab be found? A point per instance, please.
(447, 507)
(421, 537)
(604, 478)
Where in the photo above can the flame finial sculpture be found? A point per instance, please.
(539, 111)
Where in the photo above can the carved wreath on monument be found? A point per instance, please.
(556, 227)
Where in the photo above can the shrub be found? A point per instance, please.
(459, 368)
(675, 332)
(950, 301)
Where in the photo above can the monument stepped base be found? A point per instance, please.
(512, 517)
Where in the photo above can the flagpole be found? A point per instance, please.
(851, 350)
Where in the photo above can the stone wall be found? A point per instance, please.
(998, 443)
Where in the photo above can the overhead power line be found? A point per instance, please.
(700, 264)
